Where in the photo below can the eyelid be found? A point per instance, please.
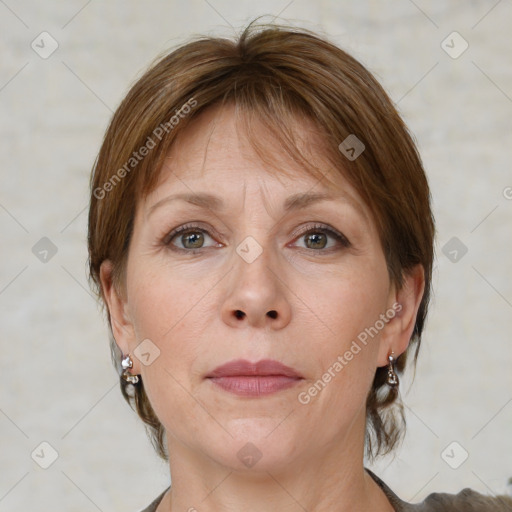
(325, 228)
(189, 226)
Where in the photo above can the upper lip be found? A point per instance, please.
(265, 367)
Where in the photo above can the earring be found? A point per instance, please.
(127, 363)
(392, 379)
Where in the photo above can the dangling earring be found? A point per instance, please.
(127, 363)
(392, 379)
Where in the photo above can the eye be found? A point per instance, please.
(322, 238)
(193, 238)
(189, 238)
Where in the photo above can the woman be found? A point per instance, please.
(260, 232)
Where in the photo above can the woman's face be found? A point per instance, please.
(263, 270)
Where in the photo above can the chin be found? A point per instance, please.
(258, 445)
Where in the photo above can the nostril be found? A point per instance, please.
(272, 314)
(239, 314)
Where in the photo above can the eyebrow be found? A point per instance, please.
(214, 203)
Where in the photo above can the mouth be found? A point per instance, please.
(262, 378)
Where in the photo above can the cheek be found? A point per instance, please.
(172, 314)
(164, 302)
(345, 341)
(169, 312)
(343, 304)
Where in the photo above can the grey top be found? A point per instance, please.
(465, 501)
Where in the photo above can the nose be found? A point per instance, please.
(256, 296)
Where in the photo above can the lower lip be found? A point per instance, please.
(253, 385)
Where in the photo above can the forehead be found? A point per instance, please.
(218, 163)
(224, 145)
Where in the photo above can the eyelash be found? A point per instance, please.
(316, 228)
(322, 228)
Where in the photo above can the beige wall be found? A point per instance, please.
(57, 383)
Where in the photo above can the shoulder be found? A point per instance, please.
(466, 500)
(154, 504)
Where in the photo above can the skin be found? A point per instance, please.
(324, 294)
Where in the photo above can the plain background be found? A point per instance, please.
(57, 382)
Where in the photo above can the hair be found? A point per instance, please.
(278, 75)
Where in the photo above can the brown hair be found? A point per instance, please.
(276, 73)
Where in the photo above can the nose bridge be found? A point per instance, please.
(253, 266)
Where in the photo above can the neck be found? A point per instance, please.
(333, 480)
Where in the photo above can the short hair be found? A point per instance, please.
(277, 75)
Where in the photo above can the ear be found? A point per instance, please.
(122, 326)
(405, 303)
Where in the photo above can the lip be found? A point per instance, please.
(262, 378)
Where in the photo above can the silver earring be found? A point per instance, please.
(392, 379)
(127, 363)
